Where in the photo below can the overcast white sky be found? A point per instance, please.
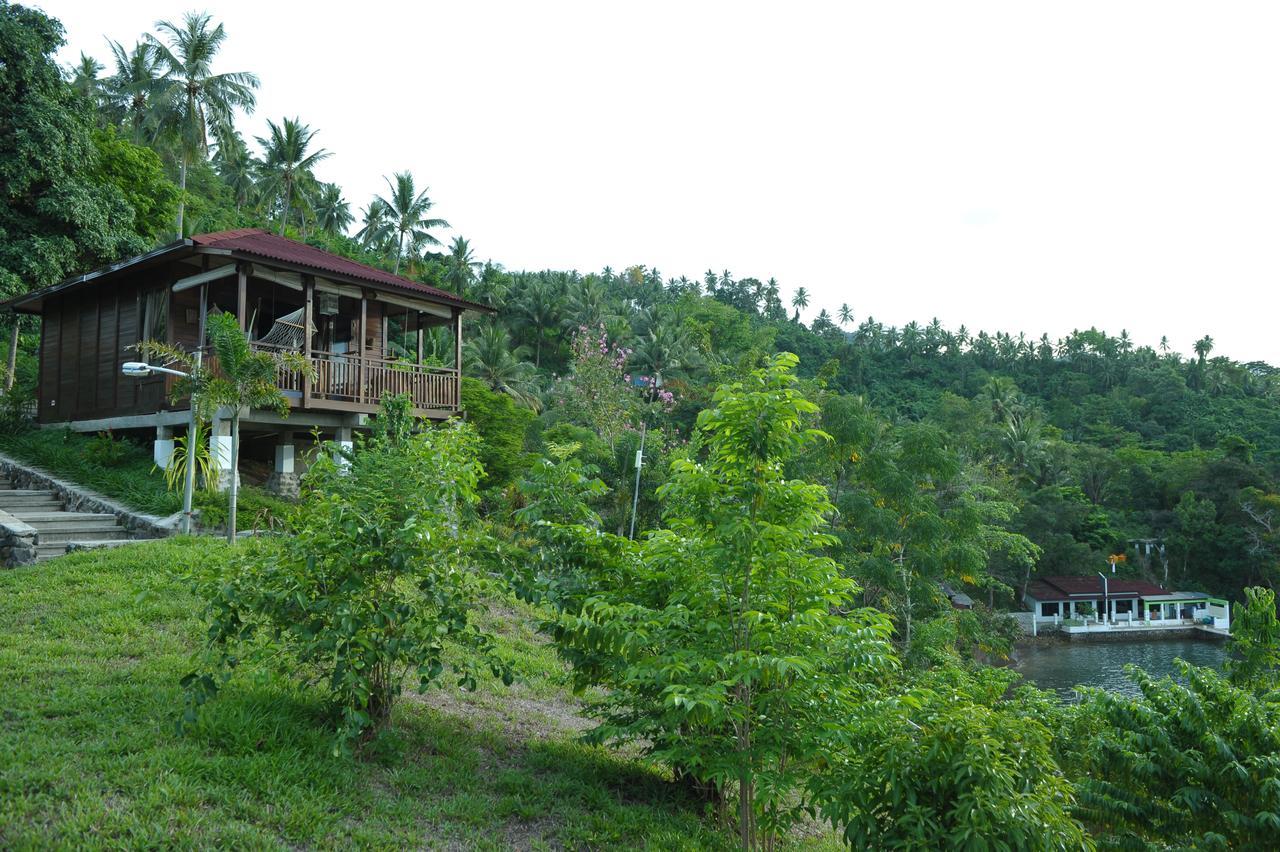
(1019, 166)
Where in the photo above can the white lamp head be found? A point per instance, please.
(137, 369)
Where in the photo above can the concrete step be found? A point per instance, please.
(98, 544)
(39, 518)
(12, 496)
(52, 535)
(45, 552)
(37, 504)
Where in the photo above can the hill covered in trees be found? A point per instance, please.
(1079, 446)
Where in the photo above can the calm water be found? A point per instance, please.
(1062, 665)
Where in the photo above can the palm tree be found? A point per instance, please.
(536, 311)
(1164, 345)
(286, 164)
(84, 78)
(666, 350)
(375, 225)
(1203, 347)
(190, 98)
(407, 211)
(236, 166)
(490, 357)
(845, 315)
(800, 300)
(460, 266)
(130, 90)
(333, 213)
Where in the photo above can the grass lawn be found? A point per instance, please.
(92, 646)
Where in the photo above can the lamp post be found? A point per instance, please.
(141, 370)
(1106, 609)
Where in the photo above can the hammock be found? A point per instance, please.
(287, 332)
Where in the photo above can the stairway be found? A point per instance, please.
(57, 528)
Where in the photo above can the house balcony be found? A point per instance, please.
(358, 383)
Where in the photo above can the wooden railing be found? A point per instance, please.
(359, 383)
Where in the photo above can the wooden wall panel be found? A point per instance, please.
(50, 346)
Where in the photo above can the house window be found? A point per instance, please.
(155, 315)
(1049, 608)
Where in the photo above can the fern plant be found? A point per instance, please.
(207, 469)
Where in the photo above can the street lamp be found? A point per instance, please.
(1105, 597)
(140, 370)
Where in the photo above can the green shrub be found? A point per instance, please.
(374, 578)
(948, 765)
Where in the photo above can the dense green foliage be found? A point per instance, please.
(776, 630)
(372, 580)
(725, 642)
(62, 208)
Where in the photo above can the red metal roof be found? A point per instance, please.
(1065, 588)
(256, 242)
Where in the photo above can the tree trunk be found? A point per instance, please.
(284, 216)
(182, 194)
(235, 477)
(13, 354)
(906, 589)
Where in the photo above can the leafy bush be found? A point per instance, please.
(374, 579)
(724, 642)
(948, 764)
(1186, 765)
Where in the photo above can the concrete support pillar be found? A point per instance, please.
(344, 441)
(162, 451)
(220, 450)
(284, 479)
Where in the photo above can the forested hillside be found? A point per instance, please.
(732, 522)
(1082, 445)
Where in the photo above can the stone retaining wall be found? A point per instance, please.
(17, 541)
(1138, 634)
(78, 499)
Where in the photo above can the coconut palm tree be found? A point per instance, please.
(190, 98)
(536, 312)
(407, 210)
(236, 166)
(375, 225)
(1203, 347)
(800, 300)
(287, 164)
(666, 350)
(333, 213)
(130, 90)
(84, 78)
(460, 266)
(845, 315)
(490, 357)
(1164, 345)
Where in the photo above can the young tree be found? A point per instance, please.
(375, 579)
(725, 642)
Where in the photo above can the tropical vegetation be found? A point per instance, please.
(733, 529)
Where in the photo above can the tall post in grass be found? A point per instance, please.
(189, 485)
(234, 490)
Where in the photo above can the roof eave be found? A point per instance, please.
(354, 280)
(32, 303)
